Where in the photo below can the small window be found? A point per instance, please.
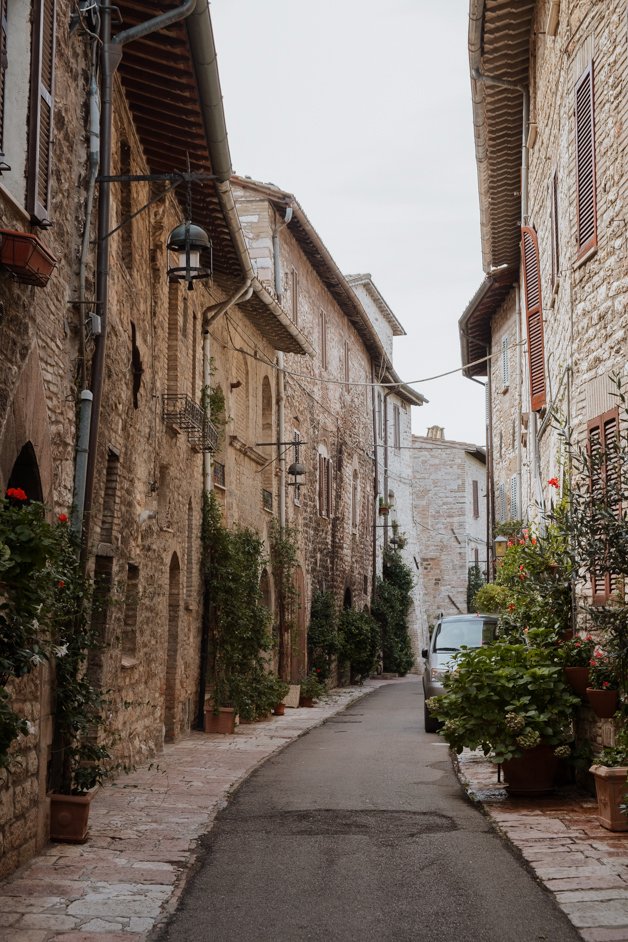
(514, 497)
(475, 491)
(324, 486)
(396, 428)
(295, 296)
(355, 500)
(219, 474)
(322, 338)
(505, 363)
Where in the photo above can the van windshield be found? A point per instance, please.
(472, 632)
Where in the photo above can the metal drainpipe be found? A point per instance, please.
(487, 410)
(110, 59)
(281, 386)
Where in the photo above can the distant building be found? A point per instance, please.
(449, 509)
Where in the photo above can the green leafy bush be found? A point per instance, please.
(360, 640)
(505, 698)
(390, 610)
(322, 636)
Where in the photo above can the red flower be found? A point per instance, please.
(511, 607)
(17, 493)
(61, 583)
(553, 482)
(533, 541)
(62, 518)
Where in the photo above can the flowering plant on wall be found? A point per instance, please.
(44, 617)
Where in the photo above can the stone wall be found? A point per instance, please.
(38, 337)
(443, 509)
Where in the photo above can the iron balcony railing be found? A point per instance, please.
(179, 411)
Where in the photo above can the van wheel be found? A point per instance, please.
(431, 724)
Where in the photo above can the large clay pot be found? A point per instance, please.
(279, 709)
(610, 787)
(223, 722)
(533, 773)
(578, 679)
(602, 702)
(69, 815)
(306, 701)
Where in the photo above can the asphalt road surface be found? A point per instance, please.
(360, 831)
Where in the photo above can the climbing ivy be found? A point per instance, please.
(390, 609)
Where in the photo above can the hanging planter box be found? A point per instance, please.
(25, 256)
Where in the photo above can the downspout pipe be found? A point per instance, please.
(281, 383)
(110, 59)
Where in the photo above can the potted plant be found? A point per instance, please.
(511, 701)
(27, 257)
(278, 689)
(311, 689)
(383, 507)
(81, 760)
(575, 654)
(610, 771)
(602, 692)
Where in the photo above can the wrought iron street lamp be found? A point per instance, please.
(187, 241)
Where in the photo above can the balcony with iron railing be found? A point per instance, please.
(181, 412)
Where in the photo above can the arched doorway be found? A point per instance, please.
(172, 649)
(25, 473)
(298, 647)
(347, 601)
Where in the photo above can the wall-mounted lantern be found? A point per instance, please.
(501, 544)
(187, 241)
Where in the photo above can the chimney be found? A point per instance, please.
(436, 432)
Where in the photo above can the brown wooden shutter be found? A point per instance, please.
(586, 206)
(604, 488)
(321, 486)
(534, 316)
(41, 111)
(328, 482)
(3, 69)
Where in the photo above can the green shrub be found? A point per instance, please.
(390, 609)
(360, 638)
(322, 636)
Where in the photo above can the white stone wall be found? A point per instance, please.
(443, 472)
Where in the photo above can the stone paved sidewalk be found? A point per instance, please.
(584, 865)
(143, 834)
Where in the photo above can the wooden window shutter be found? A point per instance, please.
(475, 490)
(321, 487)
(605, 488)
(328, 483)
(534, 316)
(554, 229)
(3, 68)
(586, 205)
(41, 111)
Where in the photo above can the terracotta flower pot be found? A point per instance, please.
(306, 701)
(533, 773)
(28, 259)
(578, 679)
(223, 722)
(279, 709)
(610, 787)
(69, 816)
(602, 702)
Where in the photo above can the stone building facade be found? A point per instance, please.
(149, 454)
(327, 404)
(566, 306)
(392, 409)
(449, 512)
(39, 329)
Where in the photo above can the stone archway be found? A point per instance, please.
(172, 649)
(25, 473)
(26, 427)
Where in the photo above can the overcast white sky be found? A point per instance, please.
(362, 109)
